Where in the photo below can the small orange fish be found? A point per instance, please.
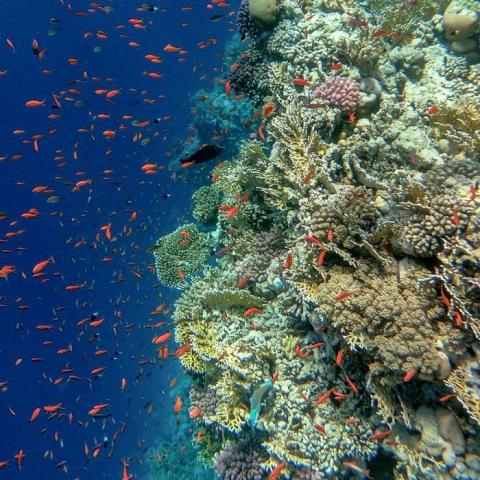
(35, 103)
(251, 311)
(447, 397)
(161, 338)
(268, 109)
(408, 376)
(455, 218)
(288, 262)
(35, 414)
(320, 428)
(339, 357)
(195, 412)
(380, 435)
(41, 265)
(300, 82)
(170, 48)
(242, 282)
(178, 405)
(275, 473)
(260, 133)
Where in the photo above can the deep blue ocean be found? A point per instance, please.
(81, 47)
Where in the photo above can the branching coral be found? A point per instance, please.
(459, 123)
(465, 382)
(399, 17)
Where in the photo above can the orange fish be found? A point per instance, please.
(41, 265)
(228, 88)
(19, 457)
(268, 109)
(35, 414)
(10, 44)
(52, 408)
(342, 296)
(161, 338)
(35, 103)
(275, 473)
(170, 48)
(251, 311)
(195, 412)
(7, 270)
(178, 405)
(300, 82)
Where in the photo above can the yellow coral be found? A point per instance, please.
(233, 418)
(459, 123)
(467, 390)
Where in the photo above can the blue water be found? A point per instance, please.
(109, 288)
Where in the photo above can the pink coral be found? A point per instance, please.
(343, 93)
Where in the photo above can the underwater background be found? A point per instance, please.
(240, 240)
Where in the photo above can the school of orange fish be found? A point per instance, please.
(115, 236)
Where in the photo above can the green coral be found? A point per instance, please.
(180, 254)
(206, 201)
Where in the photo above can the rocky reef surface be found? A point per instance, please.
(340, 325)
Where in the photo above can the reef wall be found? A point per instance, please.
(340, 323)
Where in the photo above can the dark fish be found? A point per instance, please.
(203, 154)
(216, 18)
(153, 248)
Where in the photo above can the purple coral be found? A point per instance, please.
(240, 461)
(343, 93)
(244, 22)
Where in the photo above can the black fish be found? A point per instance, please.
(202, 155)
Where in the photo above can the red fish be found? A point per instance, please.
(170, 48)
(275, 473)
(178, 405)
(300, 82)
(35, 103)
(41, 265)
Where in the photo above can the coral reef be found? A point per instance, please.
(240, 461)
(342, 93)
(206, 199)
(340, 323)
(180, 254)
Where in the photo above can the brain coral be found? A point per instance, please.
(180, 254)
